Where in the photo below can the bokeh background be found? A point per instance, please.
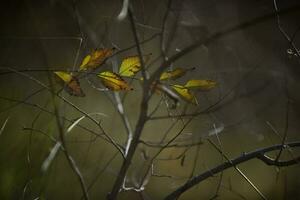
(254, 63)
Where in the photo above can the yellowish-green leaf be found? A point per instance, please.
(113, 81)
(95, 59)
(85, 61)
(66, 77)
(174, 74)
(185, 94)
(201, 84)
(71, 84)
(132, 65)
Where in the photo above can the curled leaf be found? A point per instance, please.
(174, 74)
(96, 58)
(132, 65)
(113, 81)
(185, 94)
(201, 84)
(71, 83)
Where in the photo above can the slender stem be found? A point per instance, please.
(111, 140)
(70, 160)
(238, 170)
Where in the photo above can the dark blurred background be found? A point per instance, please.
(256, 63)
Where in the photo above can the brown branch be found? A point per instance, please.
(142, 119)
(238, 170)
(258, 154)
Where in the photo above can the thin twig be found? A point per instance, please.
(70, 160)
(112, 141)
(238, 170)
(286, 127)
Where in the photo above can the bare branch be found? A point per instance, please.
(238, 170)
(258, 154)
(140, 122)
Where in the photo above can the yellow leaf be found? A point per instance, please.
(70, 83)
(132, 65)
(174, 74)
(66, 77)
(85, 62)
(95, 59)
(113, 81)
(185, 94)
(201, 84)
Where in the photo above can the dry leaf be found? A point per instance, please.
(71, 84)
(132, 65)
(113, 81)
(95, 59)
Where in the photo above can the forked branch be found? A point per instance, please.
(257, 154)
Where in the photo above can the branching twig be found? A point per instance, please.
(142, 119)
(52, 113)
(238, 170)
(258, 154)
(70, 160)
(112, 141)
